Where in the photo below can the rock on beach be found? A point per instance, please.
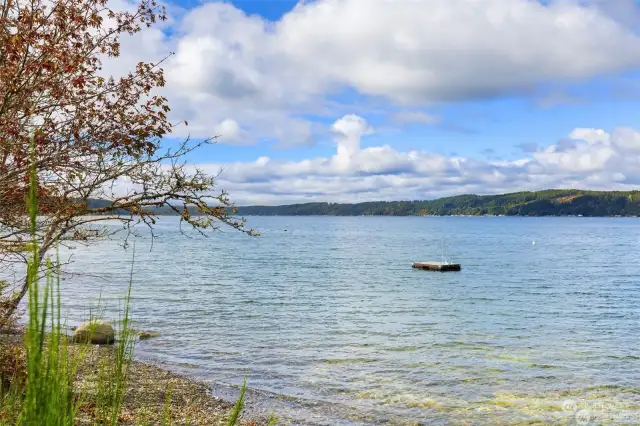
(96, 332)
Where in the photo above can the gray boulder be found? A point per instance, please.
(96, 332)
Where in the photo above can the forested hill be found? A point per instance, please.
(563, 202)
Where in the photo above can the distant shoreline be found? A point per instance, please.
(547, 203)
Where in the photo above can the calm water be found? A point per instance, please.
(326, 317)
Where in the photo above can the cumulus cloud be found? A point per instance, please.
(471, 49)
(267, 74)
(228, 130)
(587, 158)
(350, 129)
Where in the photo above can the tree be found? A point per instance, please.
(87, 131)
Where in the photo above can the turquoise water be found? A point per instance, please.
(331, 325)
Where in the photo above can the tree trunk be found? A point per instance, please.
(9, 307)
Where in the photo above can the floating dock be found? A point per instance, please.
(437, 266)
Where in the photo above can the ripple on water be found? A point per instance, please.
(331, 314)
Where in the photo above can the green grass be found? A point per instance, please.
(48, 398)
(166, 412)
(237, 408)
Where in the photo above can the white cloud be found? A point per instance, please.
(626, 140)
(350, 129)
(425, 51)
(590, 135)
(228, 130)
(266, 74)
(594, 160)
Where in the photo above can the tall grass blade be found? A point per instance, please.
(48, 398)
(272, 420)
(239, 405)
(166, 412)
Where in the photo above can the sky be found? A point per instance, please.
(361, 100)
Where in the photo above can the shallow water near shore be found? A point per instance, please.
(331, 325)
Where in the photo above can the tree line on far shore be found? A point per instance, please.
(553, 202)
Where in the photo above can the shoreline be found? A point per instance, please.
(154, 393)
(259, 405)
(151, 385)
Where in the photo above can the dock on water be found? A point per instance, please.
(437, 266)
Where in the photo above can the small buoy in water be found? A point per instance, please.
(285, 230)
(533, 243)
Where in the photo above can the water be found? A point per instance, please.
(329, 322)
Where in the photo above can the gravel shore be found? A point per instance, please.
(149, 388)
(191, 401)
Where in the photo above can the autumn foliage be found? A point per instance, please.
(85, 130)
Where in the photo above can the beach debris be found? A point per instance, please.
(144, 335)
(437, 266)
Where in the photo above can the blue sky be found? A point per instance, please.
(353, 100)
(271, 10)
